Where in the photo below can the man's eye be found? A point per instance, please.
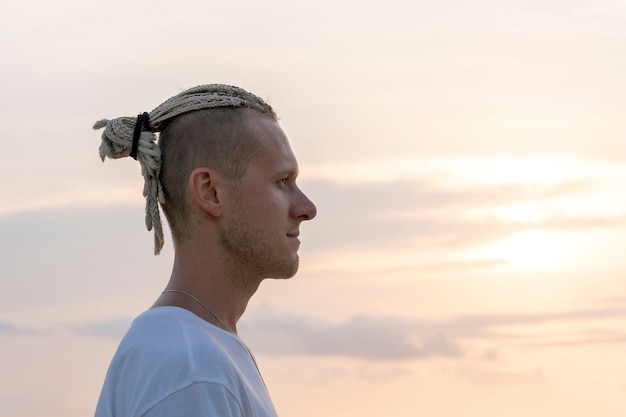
(283, 181)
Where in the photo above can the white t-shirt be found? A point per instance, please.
(171, 363)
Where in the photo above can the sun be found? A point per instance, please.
(535, 249)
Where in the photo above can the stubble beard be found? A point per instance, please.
(251, 254)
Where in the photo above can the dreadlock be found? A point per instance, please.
(135, 136)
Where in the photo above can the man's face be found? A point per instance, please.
(262, 221)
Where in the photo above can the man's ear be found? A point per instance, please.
(203, 190)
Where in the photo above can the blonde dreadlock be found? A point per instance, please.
(118, 135)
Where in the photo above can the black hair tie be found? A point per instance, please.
(142, 119)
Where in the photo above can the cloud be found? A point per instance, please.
(111, 327)
(114, 327)
(384, 338)
(426, 214)
(394, 338)
(381, 338)
(15, 330)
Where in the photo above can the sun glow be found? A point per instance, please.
(533, 250)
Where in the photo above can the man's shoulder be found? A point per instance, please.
(174, 338)
(170, 328)
(169, 350)
(169, 353)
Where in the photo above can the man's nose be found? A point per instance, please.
(304, 209)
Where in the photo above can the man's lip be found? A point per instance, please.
(293, 234)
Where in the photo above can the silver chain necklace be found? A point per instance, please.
(224, 325)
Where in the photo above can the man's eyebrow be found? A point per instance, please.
(289, 171)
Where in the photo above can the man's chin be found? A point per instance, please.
(289, 271)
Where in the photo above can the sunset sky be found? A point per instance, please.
(467, 159)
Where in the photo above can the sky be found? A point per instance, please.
(467, 159)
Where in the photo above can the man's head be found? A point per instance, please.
(229, 177)
(207, 125)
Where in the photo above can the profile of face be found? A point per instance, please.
(262, 223)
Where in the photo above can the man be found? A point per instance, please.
(226, 179)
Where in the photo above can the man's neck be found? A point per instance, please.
(214, 290)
